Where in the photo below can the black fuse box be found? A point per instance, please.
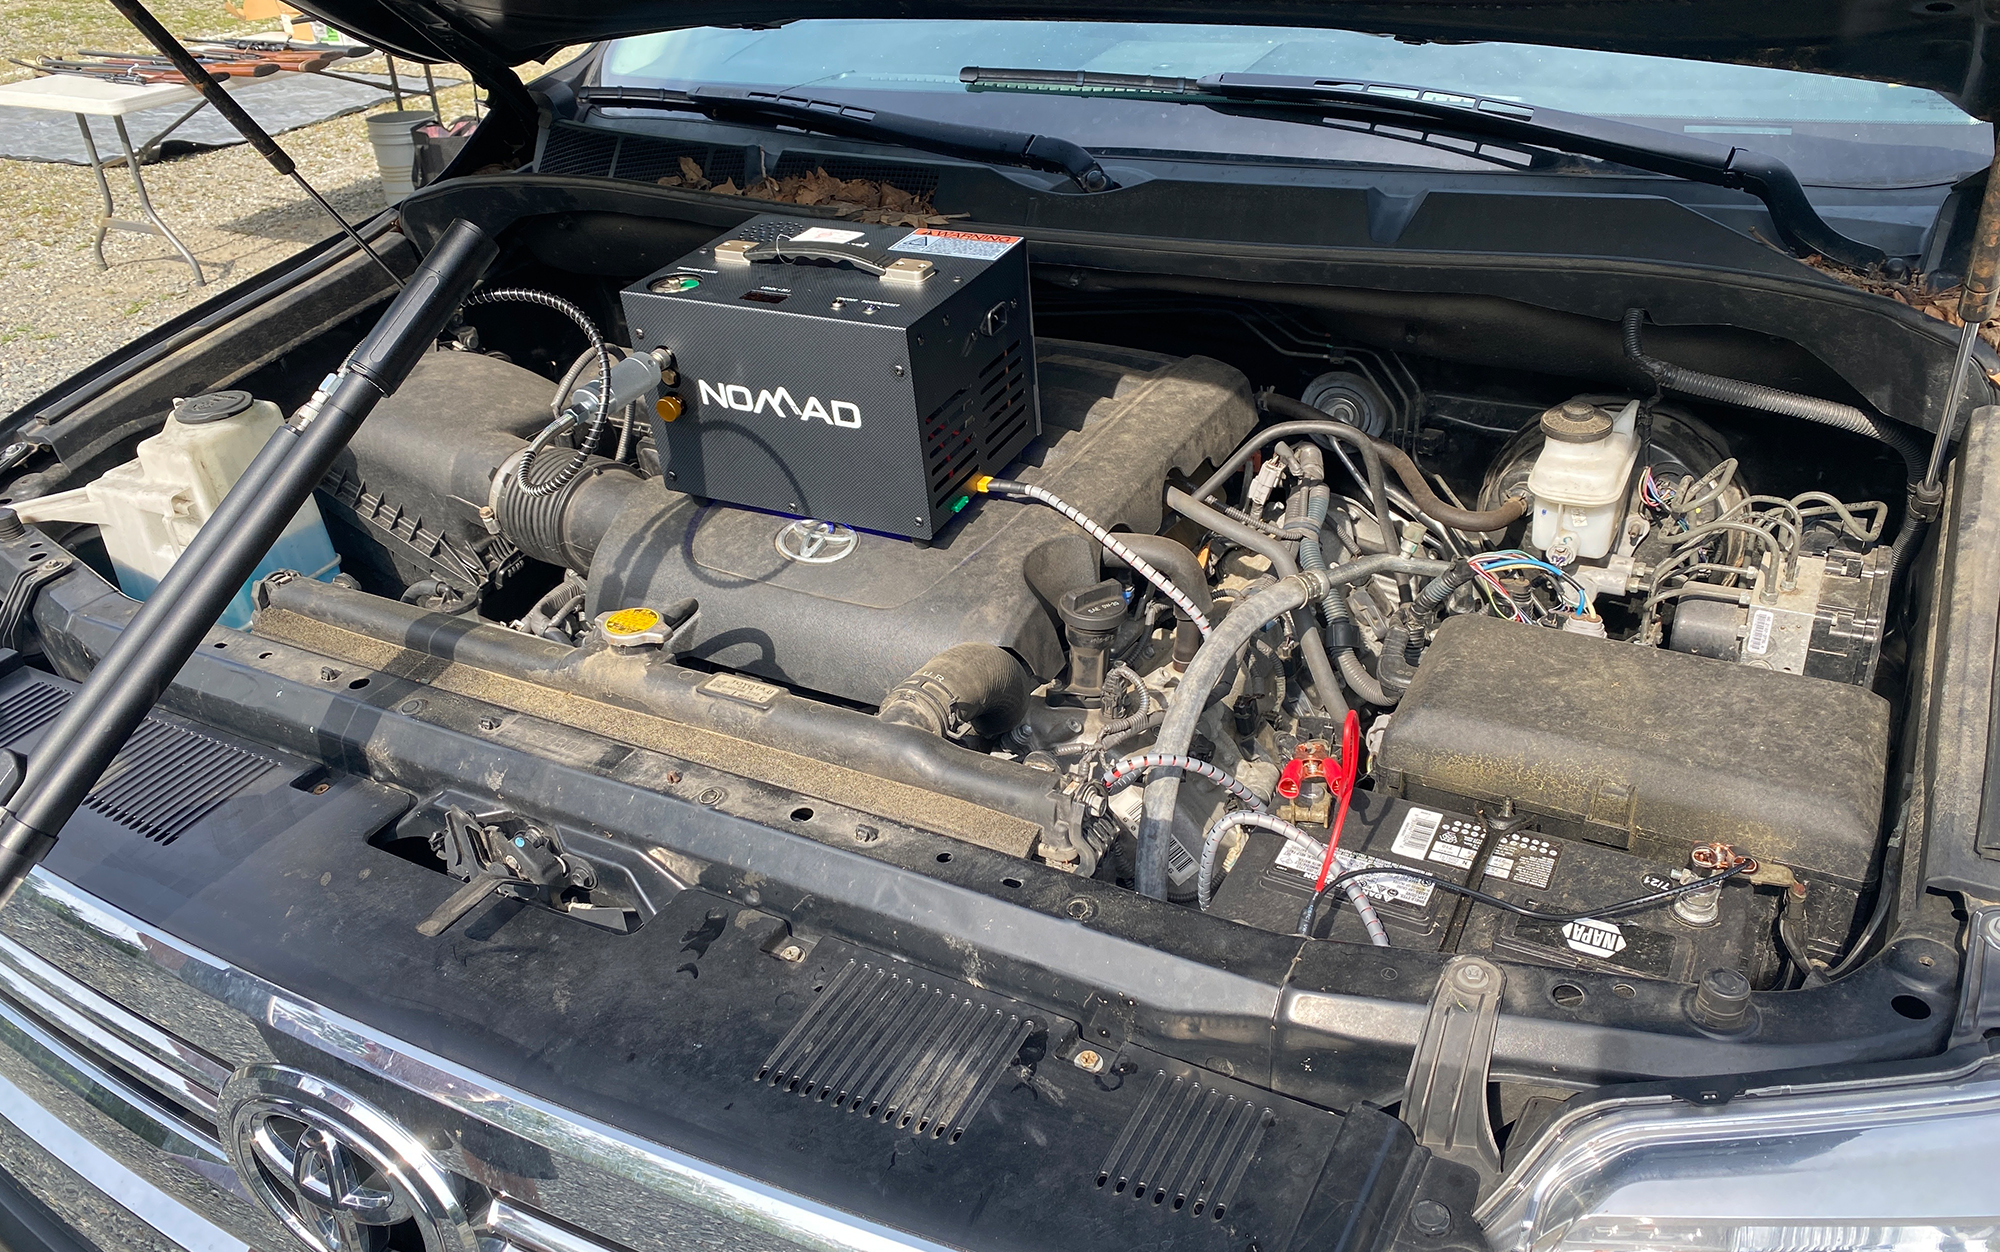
(850, 373)
(1271, 880)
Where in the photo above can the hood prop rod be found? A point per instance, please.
(1977, 297)
(171, 624)
(256, 136)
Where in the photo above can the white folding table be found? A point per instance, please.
(93, 97)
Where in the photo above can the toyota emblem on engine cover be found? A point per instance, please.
(816, 543)
(337, 1172)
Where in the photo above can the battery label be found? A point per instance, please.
(1420, 826)
(1523, 858)
(958, 243)
(1375, 887)
(1591, 937)
(1456, 842)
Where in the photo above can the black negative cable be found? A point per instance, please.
(1311, 912)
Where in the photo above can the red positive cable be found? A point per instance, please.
(1343, 786)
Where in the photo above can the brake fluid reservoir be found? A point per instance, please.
(1581, 478)
(148, 510)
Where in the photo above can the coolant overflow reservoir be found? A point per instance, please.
(1580, 479)
(148, 510)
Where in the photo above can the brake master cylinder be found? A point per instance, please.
(1581, 478)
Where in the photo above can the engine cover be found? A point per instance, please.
(850, 613)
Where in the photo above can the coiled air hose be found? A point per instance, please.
(1182, 600)
(1123, 773)
(1378, 934)
(595, 434)
(1218, 651)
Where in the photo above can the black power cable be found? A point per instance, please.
(1339, 881)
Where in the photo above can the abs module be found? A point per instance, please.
(849, 373)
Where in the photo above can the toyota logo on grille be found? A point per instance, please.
(816, 543)
(336, 1171)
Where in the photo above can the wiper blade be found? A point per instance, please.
(1680, 156)
(830, 117)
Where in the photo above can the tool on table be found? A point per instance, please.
(337, 52)
(299, 62)
(110, 73)
(129, 79)
(160, 65)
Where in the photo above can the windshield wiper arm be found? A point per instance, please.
(1681, 156)
(830, 117)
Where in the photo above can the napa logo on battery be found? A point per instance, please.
(780, 402)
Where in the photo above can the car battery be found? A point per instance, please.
(1568, 876)
(1272, 878)
(850, 373)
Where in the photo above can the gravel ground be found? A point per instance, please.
(58, 311)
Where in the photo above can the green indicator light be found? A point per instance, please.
(959, 504)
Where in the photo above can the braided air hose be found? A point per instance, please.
(1123, 773)
(1378, 934)
(595, 433)
(1140, 566)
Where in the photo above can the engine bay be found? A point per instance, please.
(1590, 677)
(1278, 616)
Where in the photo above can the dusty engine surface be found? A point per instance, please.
(818, 606)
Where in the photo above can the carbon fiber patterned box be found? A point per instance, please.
(851, 373)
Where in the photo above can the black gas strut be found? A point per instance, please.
(126, 684)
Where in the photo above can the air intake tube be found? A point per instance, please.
(562, 526)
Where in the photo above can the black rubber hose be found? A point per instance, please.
(1431, 598)
(1312, 644)
(1916, 457)
(1191, 699)
(1378, 453)
(1171, 557)
(972, 687)
(1313, 422)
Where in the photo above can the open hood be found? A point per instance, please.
(1939, 44)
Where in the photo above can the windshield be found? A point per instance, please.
(1832, 131)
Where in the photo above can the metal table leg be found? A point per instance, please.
(103, 189)
(152, 225)
(395, 86)
(430, 85)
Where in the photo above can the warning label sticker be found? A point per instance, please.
(959, 243)
(736, 687)
(1376, 887)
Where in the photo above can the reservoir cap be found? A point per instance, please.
(212, 407)
(1576, 421)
